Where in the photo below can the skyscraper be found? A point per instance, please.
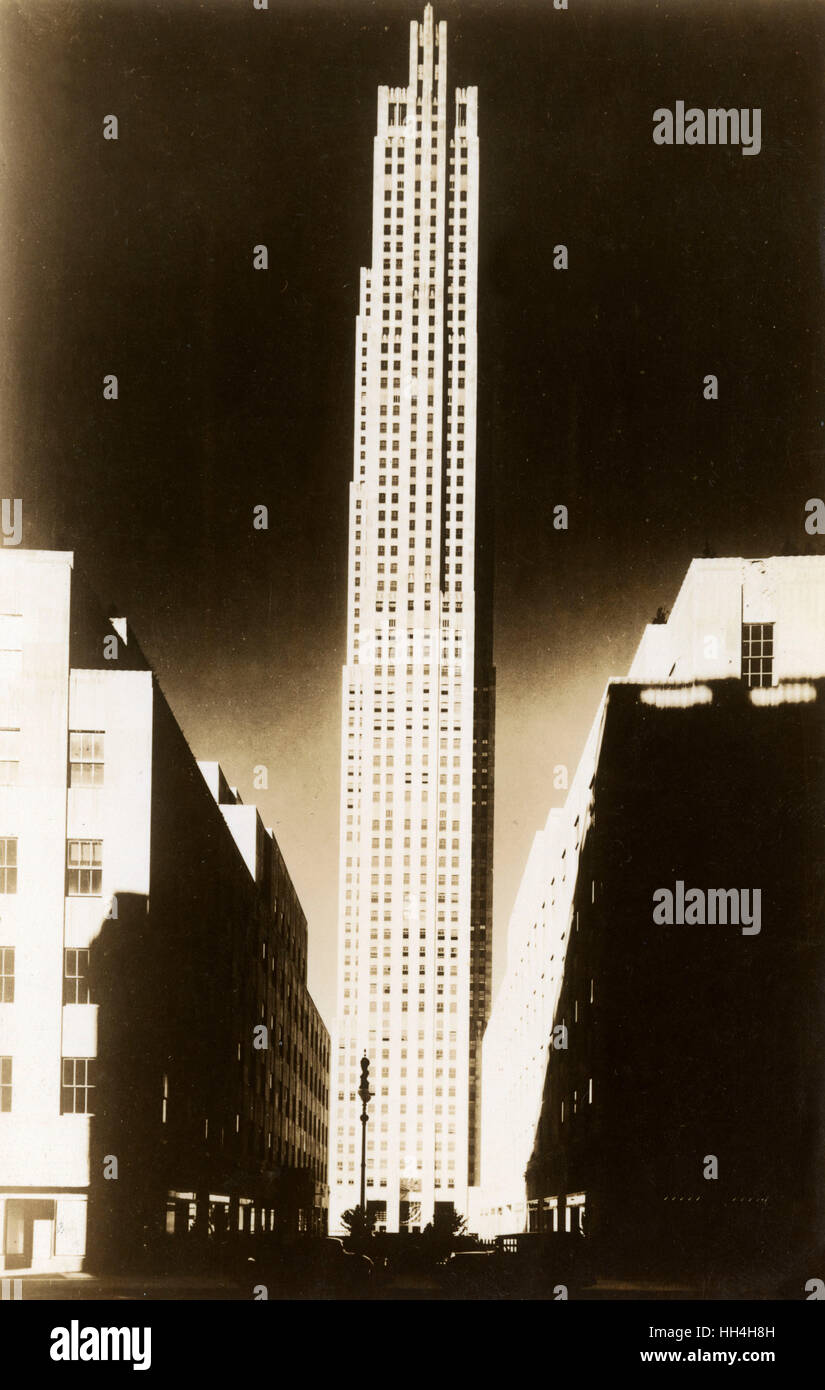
(418, 685)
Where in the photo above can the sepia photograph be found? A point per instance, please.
(412, 661)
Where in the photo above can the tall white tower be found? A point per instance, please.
(414, 965)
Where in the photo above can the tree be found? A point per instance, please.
(450, 1222)
(440, 1236)
(357, 1226)
(662, 615)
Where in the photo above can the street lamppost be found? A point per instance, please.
(366, 1095)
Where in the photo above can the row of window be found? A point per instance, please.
(76, 989)
(84, 867)
(85, 757)
(77, 1084)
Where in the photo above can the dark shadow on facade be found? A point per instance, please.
(127, 1158)
(688, 1041)
(209, 1124)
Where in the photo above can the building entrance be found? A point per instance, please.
(29, 1235)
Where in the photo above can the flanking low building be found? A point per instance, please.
(165, 1073)
(653, 1065)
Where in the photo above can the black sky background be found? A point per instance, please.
(240, 127)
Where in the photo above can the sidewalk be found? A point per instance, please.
(58, 1287)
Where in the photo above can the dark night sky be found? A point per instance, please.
(239, 127)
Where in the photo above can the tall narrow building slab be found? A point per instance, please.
(418, 685)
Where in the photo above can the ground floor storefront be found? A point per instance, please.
(43, 1230)
(55, 1232)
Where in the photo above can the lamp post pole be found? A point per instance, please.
(366, 1095)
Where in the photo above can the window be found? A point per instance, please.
(84, 862)
(757, 653)
(77, 1086)
(85, 759)
(76, 977)
(5, 1085)
(8, 865)
(9, 756)
(6, 974)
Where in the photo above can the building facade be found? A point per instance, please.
(662, 1078)
(418, 691)
(165, 1072)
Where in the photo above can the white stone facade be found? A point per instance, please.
(407, 735)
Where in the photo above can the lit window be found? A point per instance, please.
(77, 1086)
(8, 865)
(85, 759)
(757, 654)
(6, 974)
(5, 1085)
(84, 863)
(76, 977)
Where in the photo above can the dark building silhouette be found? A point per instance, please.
(689, 1042)
(653, 1063)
